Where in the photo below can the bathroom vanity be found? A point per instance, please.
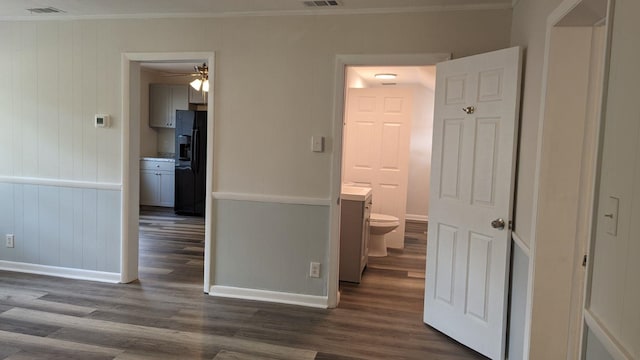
(354, 232)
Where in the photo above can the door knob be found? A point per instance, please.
(498, 224)
(469, 109)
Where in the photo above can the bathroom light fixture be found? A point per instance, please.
(203, 81)
(387, 76)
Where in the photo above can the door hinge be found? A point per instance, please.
(584, 261)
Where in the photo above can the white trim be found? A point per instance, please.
(521, 244)
(562, 10)
(128, 273)
(595, 185)
(415, 217)
(269, 296)
(209, 225)
(342, 61)
(63, 272)
(553, 19)
(293, 200)
(391, 60)
(129, 244)
(60, 183)
(230, 14)
(615, 349)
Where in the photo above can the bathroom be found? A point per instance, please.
(388, 122)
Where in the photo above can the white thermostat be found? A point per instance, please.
(102, 121)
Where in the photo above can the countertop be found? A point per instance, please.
(357, 193)
(158, 159)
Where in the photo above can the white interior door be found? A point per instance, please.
(377, 135)
(472, 177)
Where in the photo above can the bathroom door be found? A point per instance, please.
(377, 135)
(472, 178)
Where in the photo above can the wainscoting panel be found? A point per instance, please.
(64, 227)
(268, 246)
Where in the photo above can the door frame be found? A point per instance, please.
(580, 284)
(342, 61)
(130, 137)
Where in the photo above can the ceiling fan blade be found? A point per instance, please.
(176, 74)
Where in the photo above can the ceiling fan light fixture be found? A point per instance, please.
(387, 76)
(197, 83)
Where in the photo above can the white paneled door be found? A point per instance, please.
(377, 135)
(472, 177)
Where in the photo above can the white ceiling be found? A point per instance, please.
(406, 75)
(17, 9)
(170, 66)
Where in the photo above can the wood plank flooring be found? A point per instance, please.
(165, 315)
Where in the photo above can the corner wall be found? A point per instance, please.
(529, 31)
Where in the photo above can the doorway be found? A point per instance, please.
(388, 124)
(171, 237)
(131, 152)
(343, 62)
(488, 85)
(571, 108)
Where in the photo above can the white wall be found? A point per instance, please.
(615, 288)
(274, 83)
(420, 154)
(148, 135)
(557, 254)
(559, 196)
(528, 30)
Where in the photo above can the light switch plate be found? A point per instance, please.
(317, 143)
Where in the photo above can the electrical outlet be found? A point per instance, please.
(10, 240)
(314, 270)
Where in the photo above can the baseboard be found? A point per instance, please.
(414, 217)
(269, 296)
(70, 273)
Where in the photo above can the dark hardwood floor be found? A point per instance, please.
(165, 315)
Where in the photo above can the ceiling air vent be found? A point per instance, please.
(47, 10)
(322, 3)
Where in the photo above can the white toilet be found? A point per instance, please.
(379, 225)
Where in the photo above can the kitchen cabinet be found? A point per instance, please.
(354, 236)
(164, 100)
(197, 97)
(157, 182)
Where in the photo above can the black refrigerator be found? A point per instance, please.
(191, 162)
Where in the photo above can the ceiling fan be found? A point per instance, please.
(201, 82)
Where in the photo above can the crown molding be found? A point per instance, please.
(231, 14)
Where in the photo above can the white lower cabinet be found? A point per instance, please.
(157, 183)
